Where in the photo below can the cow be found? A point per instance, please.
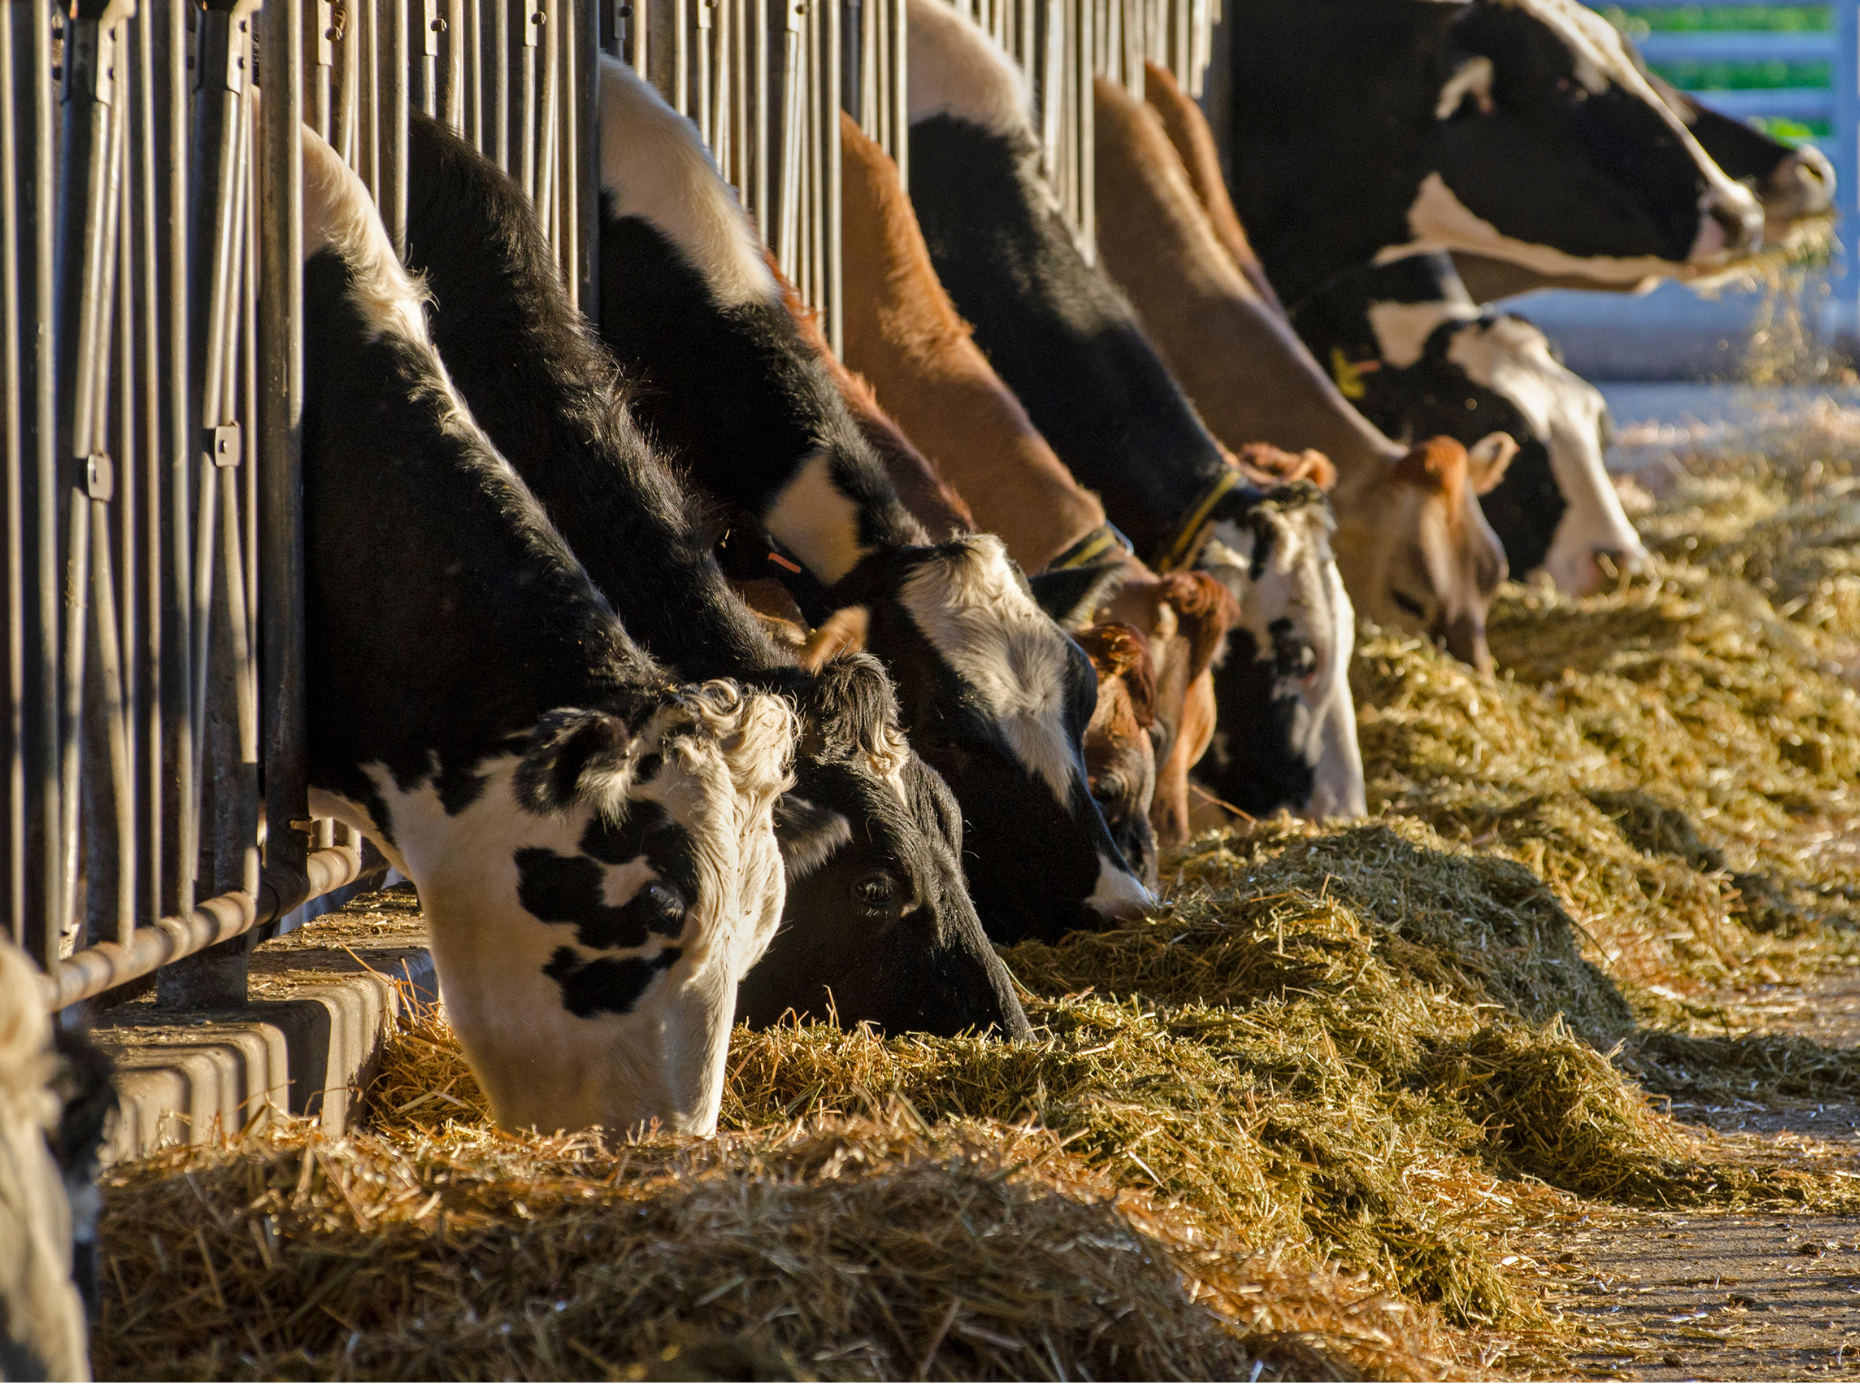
(1794, 184)
(1118, 749)
(1413, 351)
(1409, 350)
(42, 1332)
(1521, 130)
(1247, 372)
(593, 844)
(1062, 337)
(993, 694)
(865, 817)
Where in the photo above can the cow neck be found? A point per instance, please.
(1233, 352)
(546, 396)
(726, 379)
(431, 567)
(1058, 332)
(1314, 196)
(904, 336)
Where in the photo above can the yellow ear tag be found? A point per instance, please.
(1349, 380)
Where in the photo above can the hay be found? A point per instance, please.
(834, 1249)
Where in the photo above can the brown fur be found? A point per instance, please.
(904, 335)
(928, 496)
(1267, 466)
(1118, 752)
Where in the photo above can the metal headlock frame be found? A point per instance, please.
(151, 373)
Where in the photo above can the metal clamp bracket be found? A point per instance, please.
(225, 445)
(99, 477)
(533, 19)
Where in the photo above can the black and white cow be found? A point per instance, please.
(42, 1332)
(1517, 129)
(994, 695)
(1063, 337)
(1795, 185)
(1407, 344)
(877, 912)
(593, 845)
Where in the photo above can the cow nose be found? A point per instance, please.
(1465, 639)
(1803, 184)
(1615, 562)
(1732, 225)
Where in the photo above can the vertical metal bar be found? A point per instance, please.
(178, 748)
(455, 65)
(392, 193)
(278, 466)
(680, 95)
(545, 157)
(142, 508)
(349, 94)
(534, 17)
(813, 239)
(474, 62)
(498, 94)
(323, 43)
(788, 251)
(586, 156)
(758, 97)
(720, 89)
(1087, 181)
(430, 26)
(368, 77)
(898, 86)
(827, 107)
(742, 97)
(41, 916)
(701, 112)
(13, 868)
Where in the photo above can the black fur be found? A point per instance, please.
(1259, 774)
(1333, 130)
(1434, 396)
(543, 387)
(1056, 329)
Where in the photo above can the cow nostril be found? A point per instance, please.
(1741, 229)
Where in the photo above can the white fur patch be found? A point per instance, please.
(819, 524)
(1300, 583)
(341, 217)
(1401, 328)
(655, 166)
(1473, 78)
(724, 763)
(1441, 223)
(978, 615)
(1512, 358)
(1118, 895)
(957, 69)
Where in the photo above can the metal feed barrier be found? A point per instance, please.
(154, 813)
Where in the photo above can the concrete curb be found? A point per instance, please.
(308, 1041)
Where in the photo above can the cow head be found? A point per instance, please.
(1792, 183)
(1549, 147)
(878, 925)
(1119, 753)
(1555, 509)
(1415, 550)
(1287, 733)
(996, 698)
(594, 894)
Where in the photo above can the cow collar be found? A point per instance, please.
(1182, 548)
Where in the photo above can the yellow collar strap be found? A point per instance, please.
(1091, 548)
(1178, 552)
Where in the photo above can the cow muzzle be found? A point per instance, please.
(1730, 226)
(1801, 186)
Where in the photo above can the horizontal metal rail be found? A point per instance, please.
(1737, 46)
(1792, 103)
(171, 939)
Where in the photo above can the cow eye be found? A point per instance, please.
(1107, 789)
(667, 905)
(875, 894)
(1410, 604)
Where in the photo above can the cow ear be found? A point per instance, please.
(574, 755)
(1073, 595)
(842, 632)
(1486, 461)
(1204, 610)
(1436, 466)
(807, 834)
(1471, 81)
